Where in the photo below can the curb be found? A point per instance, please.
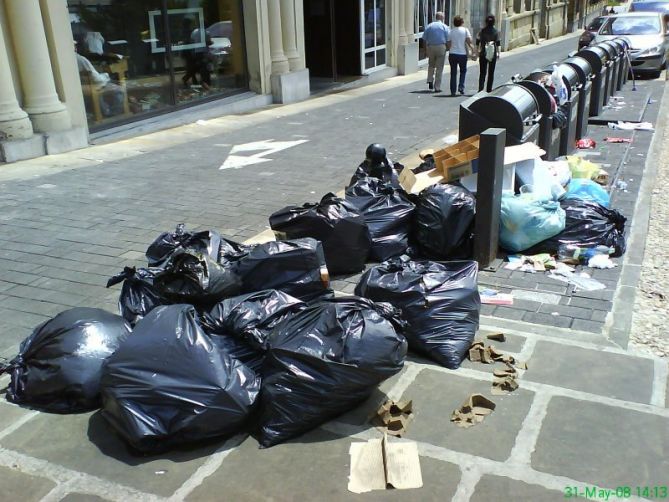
(620, 325)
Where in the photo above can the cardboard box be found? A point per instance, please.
(466, 172)
(458, 160)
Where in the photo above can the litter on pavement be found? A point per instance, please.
(473, 411)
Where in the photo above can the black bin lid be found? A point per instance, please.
(596, 56)
(620, 44)
(581, 66)
(507, 106)
(625, 41)
(541, 94)
(610, 48)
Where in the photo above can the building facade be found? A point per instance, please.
(71, 68)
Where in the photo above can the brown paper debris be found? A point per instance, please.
(498, 337)
(394, 417)
(473, 411)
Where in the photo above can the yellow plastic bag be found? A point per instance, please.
(581, 168)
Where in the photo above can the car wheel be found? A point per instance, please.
(655, 74)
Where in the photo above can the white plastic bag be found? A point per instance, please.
(561, 93)
(490, 51)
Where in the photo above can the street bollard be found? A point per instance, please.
(489, 195)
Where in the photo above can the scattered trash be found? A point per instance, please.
(494, 297)
(167, 385)
(621, 185)
(58, 367)
(335, 222)
(161, 472)
(582, 168)
(498, 337)
(380, 464)
(504, 381)
(581, 281)
(601, 261)
(632, 126)
(588, 190)
(325, 360)
(439, 301)
(585, 143)
(444, 222)
(533, 263)
(394, 417)
(473, 411)
(609, 139)
(479, 352)
(525, 221)
(571, 253)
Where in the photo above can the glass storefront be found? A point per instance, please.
(425, 10)
(373, 21)
(143, 57)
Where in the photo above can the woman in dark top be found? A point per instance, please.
(488, 36)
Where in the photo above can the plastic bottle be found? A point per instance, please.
(574, 253)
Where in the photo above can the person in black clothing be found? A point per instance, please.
(488, 46)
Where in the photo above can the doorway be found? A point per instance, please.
(332, 41)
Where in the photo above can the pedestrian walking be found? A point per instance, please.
(488, 45)
(435, 37)
(460, 48)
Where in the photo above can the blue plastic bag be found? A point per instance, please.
(584, 189)
(525, 221)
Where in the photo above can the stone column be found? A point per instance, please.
(401, 23)
(32, 54)
(289, 35)
(14, 122)
(410, 21)
(279, 60)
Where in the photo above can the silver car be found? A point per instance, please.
(648, 37)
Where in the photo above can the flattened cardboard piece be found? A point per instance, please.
(402, 464)
(367, 469)
(379, 464)
(504, 381)
(524, 151)
(498, 337)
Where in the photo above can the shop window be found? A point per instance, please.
(143, 57)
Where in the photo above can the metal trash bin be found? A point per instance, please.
(597, 57)
(585, 75)
(508, 106)
(612, 73)
(548, 138)
(573, 83)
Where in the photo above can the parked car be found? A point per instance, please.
(648, 37)
(590, 32)
(650, 6)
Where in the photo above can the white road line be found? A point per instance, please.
(660, 376)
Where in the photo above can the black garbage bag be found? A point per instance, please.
(427, 165)
(240, 350)
(439, 301)
(169, 384)
(296, 267)
(377, 165)
(138, 294)
(588, 224)
(59, 365)
(232, 252)
(336, 223)
(388, 212)
(444, 222)
(325, 360)
(251, 317)
(559, 120)
(195, 278)
(207, 242)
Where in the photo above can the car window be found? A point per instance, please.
(596, 24)
(632, 26)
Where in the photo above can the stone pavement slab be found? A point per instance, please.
(16, 485)
(315, 466)
(592, 370)
(82, 497)
(491, 488)
(437, 394)
(84, 443)
(603, 445)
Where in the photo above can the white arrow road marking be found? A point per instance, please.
(266, 147)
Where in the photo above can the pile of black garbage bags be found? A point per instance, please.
(216, 337)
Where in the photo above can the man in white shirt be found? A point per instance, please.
(435, 37)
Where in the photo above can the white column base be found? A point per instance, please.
(22, 149)
(41, 144)
(16, 128)
(291, 87)
(52, 121)
(407, 58)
